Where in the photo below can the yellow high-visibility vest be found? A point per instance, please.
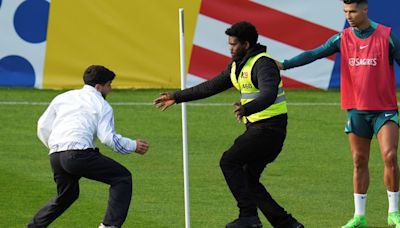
(249, 92)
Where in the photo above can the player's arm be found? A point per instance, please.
(330, 47)
(45, 123)
(394, 48)
(107, 135)
(208, 88)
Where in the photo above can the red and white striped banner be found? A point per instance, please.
(286, 27)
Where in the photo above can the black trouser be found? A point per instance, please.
(68, 167)
(242, 165)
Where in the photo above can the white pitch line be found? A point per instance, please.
(33, 103)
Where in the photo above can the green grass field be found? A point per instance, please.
(312, 177)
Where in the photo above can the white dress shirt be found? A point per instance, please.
(75, 118)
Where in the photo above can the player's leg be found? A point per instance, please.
(93, 165)
(388, 138)
(275, 214)
(242, 166)
(360, 150)
(360, 133)
(232, 163)
(67, 193)
(388, 141)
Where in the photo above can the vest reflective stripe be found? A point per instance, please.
(249, 92)
(280, 99)
(249, 95)
(256, 94)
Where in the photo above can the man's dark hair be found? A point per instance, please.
(96, 74)
(355, 1)
(244, 31)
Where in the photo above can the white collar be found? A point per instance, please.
(91, 89)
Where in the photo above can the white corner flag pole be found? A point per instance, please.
(184, 126)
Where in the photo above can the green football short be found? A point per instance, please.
(367, 123)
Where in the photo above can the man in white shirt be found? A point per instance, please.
(69, 128)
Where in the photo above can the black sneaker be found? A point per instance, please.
(245, 222)
(291, 223)
(296, 225)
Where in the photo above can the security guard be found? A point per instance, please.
(263, 109)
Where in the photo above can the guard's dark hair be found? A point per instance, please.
(96, 74)
(244, 31)
(355, 1)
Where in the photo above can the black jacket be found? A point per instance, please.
(265, 76)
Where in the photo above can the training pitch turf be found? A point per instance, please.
(312, 177)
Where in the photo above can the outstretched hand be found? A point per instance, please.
(279, 64)
(239, 111)
(164, 101)
(141, 146)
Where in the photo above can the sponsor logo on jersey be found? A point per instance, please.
(247, 86)
(362, 62)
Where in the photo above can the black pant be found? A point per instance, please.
(68, 167)
(242, 165)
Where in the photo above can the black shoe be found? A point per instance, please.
(291, 223)
(296, 225)
(245, 222)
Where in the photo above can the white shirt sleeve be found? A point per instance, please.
(107, 135)
(45, 124)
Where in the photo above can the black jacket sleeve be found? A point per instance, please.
(266, 77)
(208, 88)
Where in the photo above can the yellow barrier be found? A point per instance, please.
(137, 39)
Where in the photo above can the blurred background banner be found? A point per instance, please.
(23, 28)
(138, 40)
(287, 28)
(48, 44)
